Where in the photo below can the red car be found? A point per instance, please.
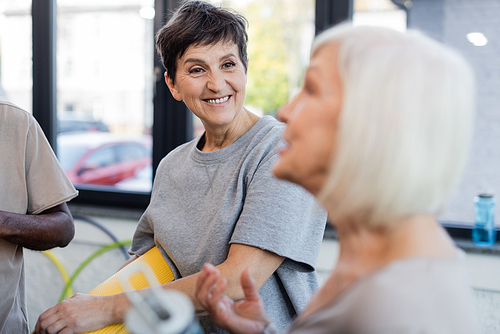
(102, 158)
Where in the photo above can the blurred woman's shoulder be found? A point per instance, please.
(266, 134)
(420, 295)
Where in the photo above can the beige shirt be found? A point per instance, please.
(411, 296)
(31, 181)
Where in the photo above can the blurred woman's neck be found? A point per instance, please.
(414, 236)
(217, 138)
(364, 250)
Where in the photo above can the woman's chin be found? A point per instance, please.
(284, 171)
(280, 171)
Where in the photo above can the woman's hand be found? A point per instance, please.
(80, 313)
(244, 316)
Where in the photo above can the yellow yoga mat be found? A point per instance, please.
(111, 286)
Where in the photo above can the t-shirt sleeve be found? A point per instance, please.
(46, 181)
(281, 217)
(143, 239)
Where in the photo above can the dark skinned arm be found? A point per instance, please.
(48, 229)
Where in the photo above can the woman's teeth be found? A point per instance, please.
(217, 101)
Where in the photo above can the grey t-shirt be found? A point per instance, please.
(411, 296)
(204, 201)
(31, 181)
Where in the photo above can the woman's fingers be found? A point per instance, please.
(51, 311)
(45, 319)
(247, 315)
(217, 292)
(55, 327)
(248, 285)
(50, 322)
(66, 331)
(206, 284)
(203, 275)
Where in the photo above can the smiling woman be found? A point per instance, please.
(211, 81)
(215, 199)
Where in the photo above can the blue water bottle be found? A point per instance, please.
(484, 233)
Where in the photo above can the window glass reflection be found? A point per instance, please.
(380, 13)
(470, 27)
(105, 93)
(104, 158)
(15, 53)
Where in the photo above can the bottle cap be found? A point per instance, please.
(486, 194)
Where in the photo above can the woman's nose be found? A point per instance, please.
(216, 81)
(283, 113)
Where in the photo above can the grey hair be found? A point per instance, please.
(405, 125)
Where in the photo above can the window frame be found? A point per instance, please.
(172, 121)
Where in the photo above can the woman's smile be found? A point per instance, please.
(218, 101)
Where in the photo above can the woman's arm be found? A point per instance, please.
(85, 313)
(261, 265)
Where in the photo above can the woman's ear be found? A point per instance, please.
(171, 86)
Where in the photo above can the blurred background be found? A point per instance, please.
(89, 73)
(109, 83)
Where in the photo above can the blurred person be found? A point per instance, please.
(379, 133)
(33, 212)
(215, 199)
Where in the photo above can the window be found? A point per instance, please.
(102, 157)
(132, 152)
(381, 13)
(470, 26)
(15, 53)
(277, 60)
(105, 83)
(103, 71)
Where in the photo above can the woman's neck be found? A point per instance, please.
(217, 138)
(364, 250)
(413, 236)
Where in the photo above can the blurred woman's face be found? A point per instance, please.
(211, 81)
(312, 122)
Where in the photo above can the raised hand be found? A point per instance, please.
(244, 316)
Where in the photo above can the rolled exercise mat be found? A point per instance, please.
(111, 286)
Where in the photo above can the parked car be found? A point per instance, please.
(142, 181)
(101, 157)
(73, 123)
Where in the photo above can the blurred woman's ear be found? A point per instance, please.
(175, 93)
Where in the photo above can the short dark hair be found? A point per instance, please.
(199, 23)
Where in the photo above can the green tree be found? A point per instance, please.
(276, 42)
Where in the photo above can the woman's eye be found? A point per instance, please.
(228, 64)
(196, 70)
